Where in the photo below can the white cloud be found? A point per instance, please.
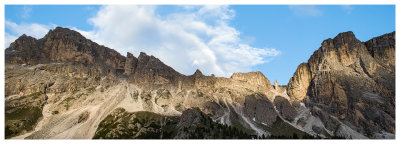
(347, 8)
(221, 11)
(196, 37)
(8, 39)
(305, 10)
(15, 30)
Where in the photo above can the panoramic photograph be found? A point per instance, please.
(199, 72)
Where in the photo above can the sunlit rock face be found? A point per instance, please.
(66, 86)
(351, 80)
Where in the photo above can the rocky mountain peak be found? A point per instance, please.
(23, 42)
(343, 75)
(130, 64)
(143, 55)
(146, 61)
(151, 71)
(343, 41)
(63, 33)
(23, 50)
(129, 55)
(346, 36)
(346, 86)
(254, 78)
(63, 45)
(276, 85)
(382, 48)
(25, 37)
(198, 73)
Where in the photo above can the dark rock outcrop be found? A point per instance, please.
(23, 50)
(130, 64)
(258, 108)
(382, 48)
(286, 110)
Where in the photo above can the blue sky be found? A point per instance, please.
(273, 39)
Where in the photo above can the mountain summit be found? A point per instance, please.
(345, 83)
(66, 86)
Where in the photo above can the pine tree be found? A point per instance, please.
(295, 136)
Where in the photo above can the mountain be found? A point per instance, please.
(351, 82)
(65, 86)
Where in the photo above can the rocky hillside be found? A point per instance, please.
(65, 86)
(349, 81)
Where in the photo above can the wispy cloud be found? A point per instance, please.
(26, 11)
(347, 8)
(305, 10)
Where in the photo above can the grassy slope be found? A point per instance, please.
(21, 118)
(147, 125)
(138, 125)
(282, 129)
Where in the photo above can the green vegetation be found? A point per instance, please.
(23, 113)
(23, 119)
(294, 136)
(54, 112)
(83, 117)
(147, 125)
(205, 128)
(249, 90)
(237, 122)
(35, 95)
(212, 130)
(138, 125)
(280, 129)
(67, 102)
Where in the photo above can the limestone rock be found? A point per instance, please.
(130, 64)
(24, 50)
(345, 76)
(382, 48)
(345, 85)
(254, 78)
(299, 83)
(259, 109)
(286, 110)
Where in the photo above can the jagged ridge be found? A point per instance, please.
(324, 84)
(351, 80)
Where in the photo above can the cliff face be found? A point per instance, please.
(382, 48)
(66, 86)
(351, 80)
(62, 45)
(299, 83)
(254, 78)
(79, 77)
